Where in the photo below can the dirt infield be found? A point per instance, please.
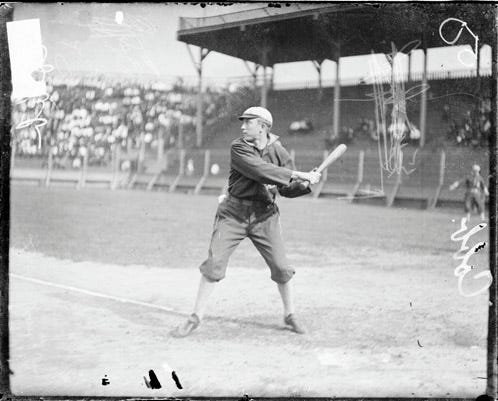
(100, 277)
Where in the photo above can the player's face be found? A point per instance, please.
(252, 129)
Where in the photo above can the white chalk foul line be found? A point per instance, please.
(95, 294)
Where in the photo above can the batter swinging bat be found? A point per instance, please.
(331, 158)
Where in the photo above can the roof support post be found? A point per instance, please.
(409, 75)
(423, 100)
(478, 74)
(198, 117)
(254, 73)
(199, 120)
(337, 98)
(264, 86)
(272, 78)
(318, 67)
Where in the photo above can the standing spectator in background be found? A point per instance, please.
(484, 130)
(475, 193)
(446, 113)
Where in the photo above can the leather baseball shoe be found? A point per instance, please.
(188, 327)
(290, 320)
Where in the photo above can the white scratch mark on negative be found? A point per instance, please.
(95, 294)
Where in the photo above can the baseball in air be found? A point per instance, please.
(215, 169)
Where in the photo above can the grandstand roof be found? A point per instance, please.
(311, 31)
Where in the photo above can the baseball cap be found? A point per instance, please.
(258, 112)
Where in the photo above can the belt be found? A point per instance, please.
(247, 202)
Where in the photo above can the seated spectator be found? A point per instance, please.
(446, 113)
(331, 138)
(366, 129)
(461, 136)
(301, 126)
(373, 133)
(346, 135)
(484, 129)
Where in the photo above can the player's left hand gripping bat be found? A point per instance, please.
(331, 158)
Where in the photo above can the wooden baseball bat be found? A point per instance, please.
(331, 158)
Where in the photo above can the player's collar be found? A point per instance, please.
(272, 138)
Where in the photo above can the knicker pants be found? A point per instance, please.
(261, 224)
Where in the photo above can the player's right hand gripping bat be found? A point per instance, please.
(331, 158)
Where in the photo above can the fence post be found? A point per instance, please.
(205, 174)
(160, 146)
(82, 180)
(141, 154)
(360, 175)
(49, 168)
(162, 167)
(116, 158)
(180, 134)
(181, 170)
(442, 167)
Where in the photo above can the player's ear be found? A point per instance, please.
(264, 125)
(261, 125)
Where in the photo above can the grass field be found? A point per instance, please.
(100, 277)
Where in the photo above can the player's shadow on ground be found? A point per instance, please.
(244, 322)
(146, 316)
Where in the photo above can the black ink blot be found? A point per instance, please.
(105, 381)
(480, 247)
(177, 380)
(484, 397)
(154, 382)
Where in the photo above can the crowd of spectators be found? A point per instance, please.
(367, 131)
(92, 118)
(82, 118)
(470, 128)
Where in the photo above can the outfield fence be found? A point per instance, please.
(357, 177)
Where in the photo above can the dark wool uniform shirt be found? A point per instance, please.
(258, 174)
(474, 183)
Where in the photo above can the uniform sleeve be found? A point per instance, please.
(291, 189)
(251, 166)
(483, 184)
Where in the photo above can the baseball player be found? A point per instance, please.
(259, 168)
(476, 191)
